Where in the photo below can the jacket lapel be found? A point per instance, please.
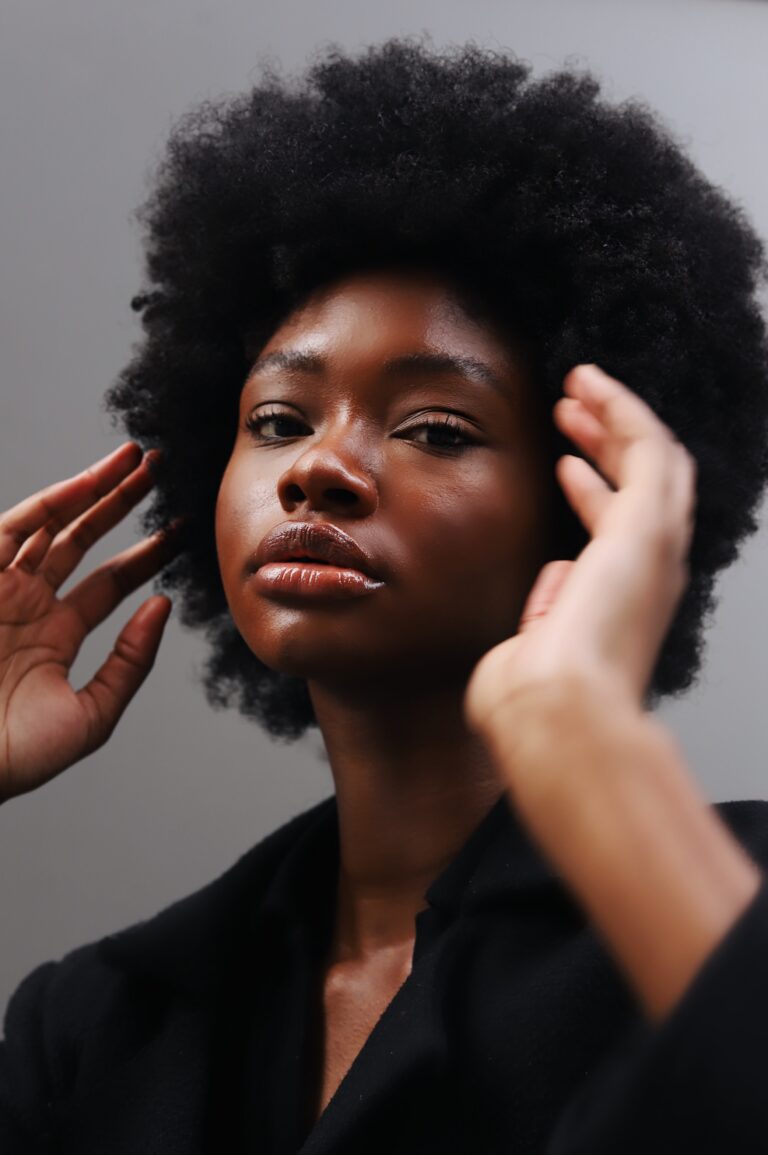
(408, 1048)
(407, 1043)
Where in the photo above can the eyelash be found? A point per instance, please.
(254, 422)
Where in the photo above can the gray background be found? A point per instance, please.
(89, 90)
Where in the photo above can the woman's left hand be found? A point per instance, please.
(599, 621)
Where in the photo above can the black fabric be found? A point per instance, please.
(191, 1033)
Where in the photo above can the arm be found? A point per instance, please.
(605, 792)
(601, 784)
(608, 797)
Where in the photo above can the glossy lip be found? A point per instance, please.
(320, 541)
(306, 579)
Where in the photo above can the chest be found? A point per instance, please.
(350, 1001)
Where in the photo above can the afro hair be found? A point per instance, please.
(578, 226)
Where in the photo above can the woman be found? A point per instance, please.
(516, 925)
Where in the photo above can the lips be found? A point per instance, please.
(316, 541)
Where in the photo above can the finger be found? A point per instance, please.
(678, 522)
(69, 547)
(56, 558)
(544, 592)
(575, 420)
(614, 404)
(97, 595)
(686, 496)
(628, 422)
(117, 680)
(45, 513)
(587, 492)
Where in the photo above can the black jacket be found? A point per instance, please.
(513, 1034)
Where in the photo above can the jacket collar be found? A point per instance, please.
(497, 862)
(194, 943)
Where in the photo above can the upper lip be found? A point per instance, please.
(317, 539)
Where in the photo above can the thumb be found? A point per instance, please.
(544, 592)
(118, 679)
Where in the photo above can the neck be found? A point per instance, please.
(412, 783)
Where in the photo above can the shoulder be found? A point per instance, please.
(187, 939)
(117, 986)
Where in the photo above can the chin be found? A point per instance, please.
(290, 645)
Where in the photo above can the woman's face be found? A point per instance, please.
(455, 519)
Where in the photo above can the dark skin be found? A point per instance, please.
(457, 522)
(457, 534)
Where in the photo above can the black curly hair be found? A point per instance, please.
(581, 228)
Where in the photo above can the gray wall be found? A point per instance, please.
(88, 91)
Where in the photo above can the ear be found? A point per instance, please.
(544, 592)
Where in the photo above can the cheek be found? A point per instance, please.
(240, 506)
(481, 544)
(479, 533)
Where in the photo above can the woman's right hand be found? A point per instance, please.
(46, 725)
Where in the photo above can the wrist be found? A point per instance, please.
(542, 731)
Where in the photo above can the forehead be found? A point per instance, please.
(371, 313)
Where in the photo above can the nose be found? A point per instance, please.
(330, 474)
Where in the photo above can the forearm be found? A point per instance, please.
(609, 799)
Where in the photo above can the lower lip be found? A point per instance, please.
(306, 580)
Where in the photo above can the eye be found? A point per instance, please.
(446, 429)
(255, 422)
(450, 434)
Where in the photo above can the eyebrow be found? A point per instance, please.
(395, 368)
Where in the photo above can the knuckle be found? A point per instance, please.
(676, 547)
(100, 722)
(97, 727)
(613, 407)
(122, 497)
(129, 652)
(53, 520)
(97, 487)
(119, 578)
(17, 536)
(666, 544)
(52, 527)
(82, 537)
